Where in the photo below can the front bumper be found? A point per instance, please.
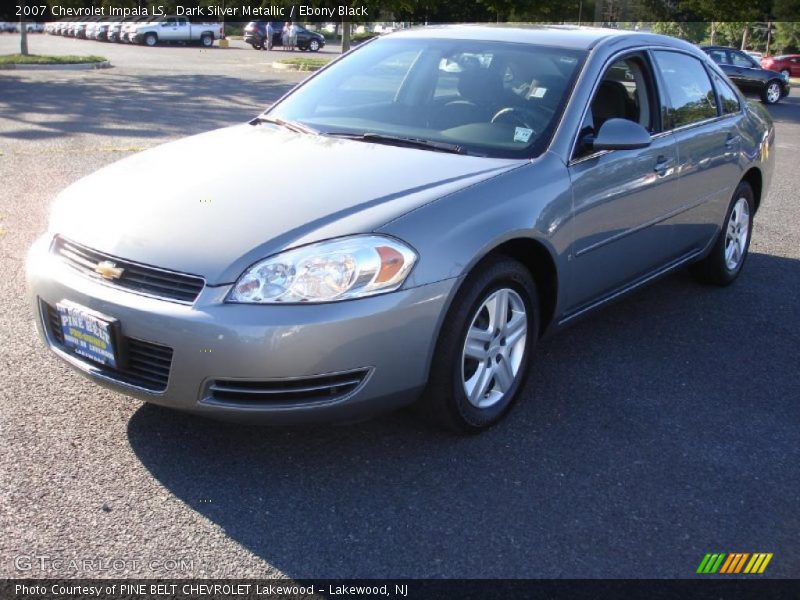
(389, 337)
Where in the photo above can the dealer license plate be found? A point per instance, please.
(88, 333)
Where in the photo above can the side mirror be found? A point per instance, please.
(620, 134)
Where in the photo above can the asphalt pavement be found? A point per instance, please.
(660, 429)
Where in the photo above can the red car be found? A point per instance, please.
(787, 64)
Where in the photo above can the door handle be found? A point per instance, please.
(731, 140)
(662, 165)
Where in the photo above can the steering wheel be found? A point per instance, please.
(512, 116)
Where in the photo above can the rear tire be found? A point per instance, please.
(151, 39)
(482, 356)
(726, 259)
(772, 92)
(206, 40)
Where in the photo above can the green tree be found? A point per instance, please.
(787, 37)
(693, 31)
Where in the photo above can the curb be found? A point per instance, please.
(58, 67)
(305, 68)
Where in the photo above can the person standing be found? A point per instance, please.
(269, 33)
(285, 35)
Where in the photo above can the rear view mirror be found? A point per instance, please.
(621, 134)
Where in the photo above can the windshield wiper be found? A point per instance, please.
(396, 140)
(290, 125)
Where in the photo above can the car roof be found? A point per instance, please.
(565, 36)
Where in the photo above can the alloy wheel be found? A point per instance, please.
(494, 348)
(773, 93)
(737, 234)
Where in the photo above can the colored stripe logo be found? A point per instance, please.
(737, 562)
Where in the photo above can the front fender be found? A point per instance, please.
(453, 233)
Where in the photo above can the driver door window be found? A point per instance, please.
(624, 92)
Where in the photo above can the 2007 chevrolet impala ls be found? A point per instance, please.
(404, 225)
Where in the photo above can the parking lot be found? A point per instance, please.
(658, 430)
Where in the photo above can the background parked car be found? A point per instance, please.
(787, 65)
(256, 31)
(80, 28)
(129, 27)
(747, 74)
(176, 29)
(98, 30)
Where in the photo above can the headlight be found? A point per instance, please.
(785, 76)
(351, 267)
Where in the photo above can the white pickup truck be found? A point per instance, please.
(176, 29)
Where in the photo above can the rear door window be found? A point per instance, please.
(691, 97)
(739, 59)
(719, 56)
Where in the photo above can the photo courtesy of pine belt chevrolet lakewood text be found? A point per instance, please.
(465, 190)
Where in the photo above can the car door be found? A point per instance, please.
(621, 198)
(167, 30)
(182, 30)
(707, 142)
(794, 66)
(302, 36)
(747, 73)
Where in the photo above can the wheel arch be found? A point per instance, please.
(537, 257)
(756, 180)
(540, 263)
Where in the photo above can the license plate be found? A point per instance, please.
(88, 333)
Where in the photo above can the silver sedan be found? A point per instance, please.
(404, 226)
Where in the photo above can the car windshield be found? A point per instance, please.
(487, 98)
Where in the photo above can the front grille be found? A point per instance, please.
(143, 364)
(307, 390)
(135, 277)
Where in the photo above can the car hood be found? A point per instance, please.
(214, 203)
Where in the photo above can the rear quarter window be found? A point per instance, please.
(728, 99)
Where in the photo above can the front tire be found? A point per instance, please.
(313, 45)
(482, 356)
(726, 260)
(771, 93)
(151, 39)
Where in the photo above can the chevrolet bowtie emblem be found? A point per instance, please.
(108, 270)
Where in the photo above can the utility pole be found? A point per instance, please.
(23, 30)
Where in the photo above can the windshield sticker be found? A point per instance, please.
(537, 92)
(522, 134)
